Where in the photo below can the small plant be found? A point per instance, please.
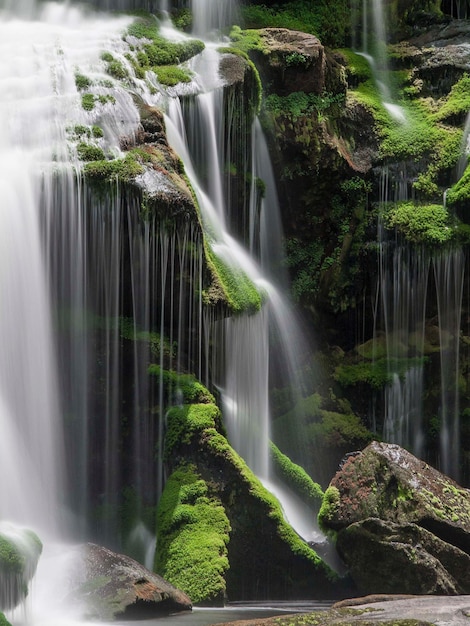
(88, 152)
(88, 101)
(82, 82)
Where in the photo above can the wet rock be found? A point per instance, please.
(116, 585)
(385, 557)
(292, 61)
(404, 522)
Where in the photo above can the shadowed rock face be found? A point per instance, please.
(116, 585)
(403, 527)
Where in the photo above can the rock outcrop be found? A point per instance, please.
(116, 585)
(402, 526)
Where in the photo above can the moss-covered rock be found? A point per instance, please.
(192, 537)
(266, 557)
(387, 482)
(20, 550)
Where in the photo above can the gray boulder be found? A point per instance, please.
(115, 585)
(385, 557)
(402, 526)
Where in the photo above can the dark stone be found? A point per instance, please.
(116, 585)
(403, 527)
(385, 557)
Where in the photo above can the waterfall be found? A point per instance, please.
(410, 279)
(373, 31)
(449, 272)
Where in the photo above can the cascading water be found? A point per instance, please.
(93, 293)
(373, 47)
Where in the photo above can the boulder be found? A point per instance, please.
(385, 557)
(292, 61)
(402, 526)
(115, 585)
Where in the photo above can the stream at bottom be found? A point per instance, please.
(232, 613)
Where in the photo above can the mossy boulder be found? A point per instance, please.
(397, 520)
(20, 550)
(266, 558)
(388, 482)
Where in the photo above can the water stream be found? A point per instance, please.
(80, 278)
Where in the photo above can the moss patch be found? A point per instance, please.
(192, 538)
(428, 224)
(296, 478)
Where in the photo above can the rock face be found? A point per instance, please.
(403, 527)
(116, 585)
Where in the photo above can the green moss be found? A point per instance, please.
(358, 69)
(3, 620)
(457, 104)
(376, 373)
(117, 170)
(427, 224)
(171, 75)
(296, 478)
(246, 40)
(117, 70)
(88, 152)
(339, 430)
(239, 291)
(186, 421)
(82, 82)
(191, 390)
(153, 51)
(192, 537)
(299, 103)
(88, 101)
(328, 508)
(458, 196)
(329, 20)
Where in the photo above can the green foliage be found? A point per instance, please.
(299, 103)
(192, 537)
(329, 506)
(153, 51)
(191, 390)
(171, 75)
(328, 20)
(376, 373)
(186, 421)
(3, 620)
(118, 170)
(339, 430)
(240, 292)
(459, 194)
(117, 70)
(82, 82)
(420, 223)
(296, 477)
(246, 40)
(182, 19)
(358, 69)
(89, 152)
(88, 101)
(457, 103)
